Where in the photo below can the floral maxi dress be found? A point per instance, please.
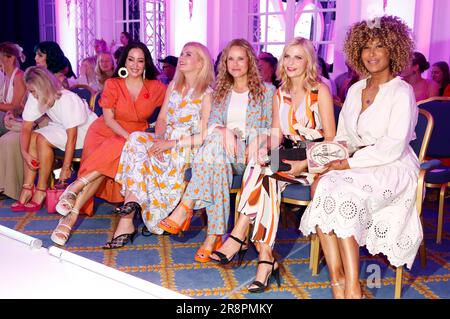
(159, 185)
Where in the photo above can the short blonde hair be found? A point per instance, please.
(310, 82)
(47, 86)
(206, 74)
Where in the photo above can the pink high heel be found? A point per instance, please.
(32, 206)
(18, 206)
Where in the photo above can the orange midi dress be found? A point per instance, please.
(103, 147)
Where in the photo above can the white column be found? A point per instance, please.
(289, 16)
(347, 13)
(183, 28)
(66, 31)
(440, 32)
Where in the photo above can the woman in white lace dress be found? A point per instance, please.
(369, 199)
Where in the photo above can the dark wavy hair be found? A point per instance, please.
(55, 58)
(151, 72)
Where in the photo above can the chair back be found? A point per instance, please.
(96, 106)
(424, 128)
(84, 91)
(439, 107)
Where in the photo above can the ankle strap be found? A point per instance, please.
(40, 189)
(28, 187)
(84, 180)
(267, 262)
(186, 208)
(242, 242)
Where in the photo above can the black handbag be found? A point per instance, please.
(289, 150)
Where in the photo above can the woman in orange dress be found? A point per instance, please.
(128, 100)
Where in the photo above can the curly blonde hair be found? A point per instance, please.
(393, 33)
(224, 82)
(310, 82)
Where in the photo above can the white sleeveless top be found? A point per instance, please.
(8, 92)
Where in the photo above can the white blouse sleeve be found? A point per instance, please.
(400, 131)
(72, 110)
(31, 110)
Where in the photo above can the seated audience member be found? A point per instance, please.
(50, 56)
(312, 105)
(125, 39)
(169, 65)
(180, 130)
(322, 72)
(87, 72)
(68, 73)
(13, 89)
(344, 81)
(128, 100)
(104, 70)
(370, 199)
(66, 131)
(267, 67)
(423, 88)
(11, 103)
(99, 47)
(441, 75)
(447, 91)
(241, 108)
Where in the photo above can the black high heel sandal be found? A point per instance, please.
(241, 253)
(260, 287)
(128, 208)
(120, 240)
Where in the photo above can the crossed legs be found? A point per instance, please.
(84, 190)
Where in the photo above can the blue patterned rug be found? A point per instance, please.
(168, 260)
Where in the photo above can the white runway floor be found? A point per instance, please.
(27, 272)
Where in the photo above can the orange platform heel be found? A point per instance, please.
(202, 255)
(172, 227)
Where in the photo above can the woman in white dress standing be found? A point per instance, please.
(369, 199)
(70, 118)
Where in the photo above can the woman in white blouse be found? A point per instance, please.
(369, 199)
(70, 118)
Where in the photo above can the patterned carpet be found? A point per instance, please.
(168, 260)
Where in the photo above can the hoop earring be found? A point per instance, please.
(123, 72)
(143, 75)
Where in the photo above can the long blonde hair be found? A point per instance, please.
(225, 81)
(311, 76)
(204, 77)
(47, 86)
